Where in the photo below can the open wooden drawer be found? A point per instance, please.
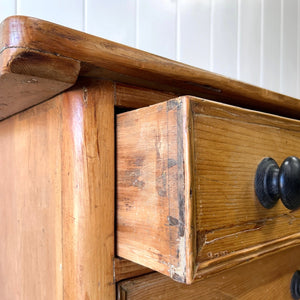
(186, 203)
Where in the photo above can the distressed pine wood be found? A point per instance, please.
(29, 77)
(30, 213)
(58, 213)
(80, 54)
(128, 97)
(88, 191)
(186, 204)
(153, 230)
(57, 175)
(268, 278)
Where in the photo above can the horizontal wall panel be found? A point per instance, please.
(194, 32)
(250, 41)
(7, 8)
(288, 74)
(157, 27)
(224, 37)
(113, 20)
(63, 12)
(271, 44)
(256, 41)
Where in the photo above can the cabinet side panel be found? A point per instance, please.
(88, 191)
(30, 214)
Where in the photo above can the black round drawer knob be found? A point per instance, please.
(272, 182)
(295, 285)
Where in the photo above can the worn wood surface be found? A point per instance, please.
(186, 205)
(124, 269)
(232, 226)
(30, 213)
(88, 191)
(96, 57)
(128, 97)
(39, 60)
(29, 77)
(57, 197)
(154, 207)
(268, 278)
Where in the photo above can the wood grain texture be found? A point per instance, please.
(154, 208)
(232, 226)
(29, 77)
(30, 213)
(88, 191)
(57, 187)
(128, 96)
(125, 269)
(215, 222)
(268, 278)
(101, 58)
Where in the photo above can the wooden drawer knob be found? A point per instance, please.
(272, 182)
(295, 285)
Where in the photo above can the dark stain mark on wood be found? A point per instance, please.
(161, 178)
(201, 237)
(161, 185)
(171, 162)
(127, 204)
(178, 278)
(85, 96)
(211, 88)
(181, 215)
(172, 221)
(139, 161)
(180, 168)
(132, 178)
(173, 104)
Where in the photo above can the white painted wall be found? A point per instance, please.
(256, 41)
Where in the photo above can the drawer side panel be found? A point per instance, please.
(152, 187)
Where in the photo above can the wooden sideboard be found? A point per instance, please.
(72, 210)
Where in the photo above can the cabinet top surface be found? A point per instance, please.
(39, 59)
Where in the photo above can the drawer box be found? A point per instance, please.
(186, 203)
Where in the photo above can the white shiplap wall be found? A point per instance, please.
(256, 41)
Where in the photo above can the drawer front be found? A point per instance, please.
(186, 203)
(267, 278)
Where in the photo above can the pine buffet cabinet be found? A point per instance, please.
(125, 175)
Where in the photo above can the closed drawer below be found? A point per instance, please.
(267, 278)
(186, 203)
